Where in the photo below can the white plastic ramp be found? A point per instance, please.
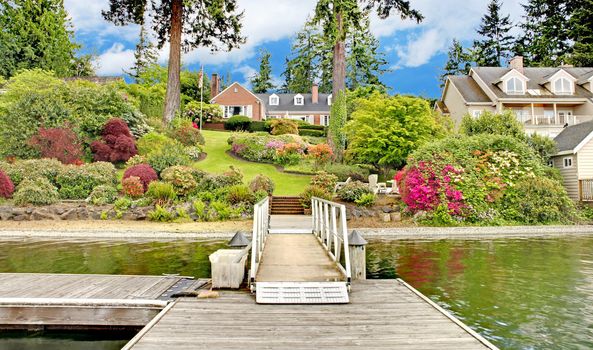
(301, 293)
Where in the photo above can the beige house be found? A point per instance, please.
(238, 100)
(545, 100)
(575, 160)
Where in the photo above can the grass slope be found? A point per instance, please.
(218, 161)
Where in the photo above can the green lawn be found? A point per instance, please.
(218, 161)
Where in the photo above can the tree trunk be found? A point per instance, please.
(339, 64)
(173, 97)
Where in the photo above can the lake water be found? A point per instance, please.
(518, 293)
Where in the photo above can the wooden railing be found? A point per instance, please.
(586, 190)
(329, 226)
(261, 224)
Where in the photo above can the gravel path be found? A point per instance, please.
(224, 230)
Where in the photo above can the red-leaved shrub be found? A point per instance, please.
(59, 143)
(118, 144)
(132, 186)
(144, 172)
(6, 185)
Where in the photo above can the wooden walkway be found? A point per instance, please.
(383, 314)
(32, 301)
(291, 224)
(299, 257)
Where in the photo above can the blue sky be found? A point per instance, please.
(416, 53)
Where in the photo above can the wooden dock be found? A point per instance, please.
(382, 314)
(64, 301)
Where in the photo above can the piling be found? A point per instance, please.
(357, 249)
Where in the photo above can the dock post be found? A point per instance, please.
(357, 249)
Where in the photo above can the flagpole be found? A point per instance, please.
(201, 97)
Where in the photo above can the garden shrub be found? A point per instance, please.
(103, 173)
(345, 171)
(289, 154)
(283, 126)
(324, 180)
(161, 192)
(222, 210)
(117, 143)
(313, 191)
(260, 194)
(34, 168)
(538, 200)
(175, 154)
(59, 143)
(237, 123)
(262, 182)
(160, 214)
(103, 194)
(37, 191)
(6, 186)
(144, 172)
(366, 200)
(240, 194)
(182, 179)
(201, 211)
(183, 131)
(75, 182)
(257, 126)
(122, 204)
(153, 142)
(309, 132)
(132, 186)
(261, 147)
(353, 191)
(321, 154)
(135, 160)
(193, 152)
(210, 112)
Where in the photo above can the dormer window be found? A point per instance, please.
(329, 100)
(563, 86)
(299, 100)
(274, 100)
(515, 86)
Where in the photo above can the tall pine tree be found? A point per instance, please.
(364, 62)
(36, 34)
(545, 39)
(581, 33)
(300, 70)
(204, 23)
(495, 44)
(458, 63)
(145, 55)
(262, 81)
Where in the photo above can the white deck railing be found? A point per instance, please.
(329, 226)
(261, 224)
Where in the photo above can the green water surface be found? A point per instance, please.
(518, 293)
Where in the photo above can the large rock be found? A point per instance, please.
(43, 214)
(69, 214)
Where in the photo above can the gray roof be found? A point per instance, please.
(469, 89)
(572, 136)
(537, 77)
(585, 77)
(286, 103)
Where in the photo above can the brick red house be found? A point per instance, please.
(238, 100)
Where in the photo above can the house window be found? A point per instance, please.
(299, 100)
(567, 162)
(274, 100)
(230, 111)
(562, 86)
(325, 120)
(515, 86)
(329, 100)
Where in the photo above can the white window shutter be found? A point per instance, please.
(249, 111)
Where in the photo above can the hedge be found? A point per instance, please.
(310, 132)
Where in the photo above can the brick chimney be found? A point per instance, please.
(214, 85)
(517, 63)
(315, 94)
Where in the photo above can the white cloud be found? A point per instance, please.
(115, 60)
(407, 44)
(247, 72)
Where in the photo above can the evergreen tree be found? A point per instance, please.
(300, 71)
(262, 81)
(496, 42)
(145, 55)
(36, 34)
(545, 39)
(205, 23)
(581, 33)
(459, 61)
(365, 63)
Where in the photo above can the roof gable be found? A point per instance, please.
(561, 73)
(234, 85)
(574, 137)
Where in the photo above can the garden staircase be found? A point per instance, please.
(286, 206)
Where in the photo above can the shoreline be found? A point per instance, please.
(225, 230)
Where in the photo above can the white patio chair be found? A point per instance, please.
(341, 184)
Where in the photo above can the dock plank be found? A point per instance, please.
(382, 314)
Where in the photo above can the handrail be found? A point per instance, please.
(329, 226)
(261, 224)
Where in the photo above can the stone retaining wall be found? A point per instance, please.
(70, 211)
